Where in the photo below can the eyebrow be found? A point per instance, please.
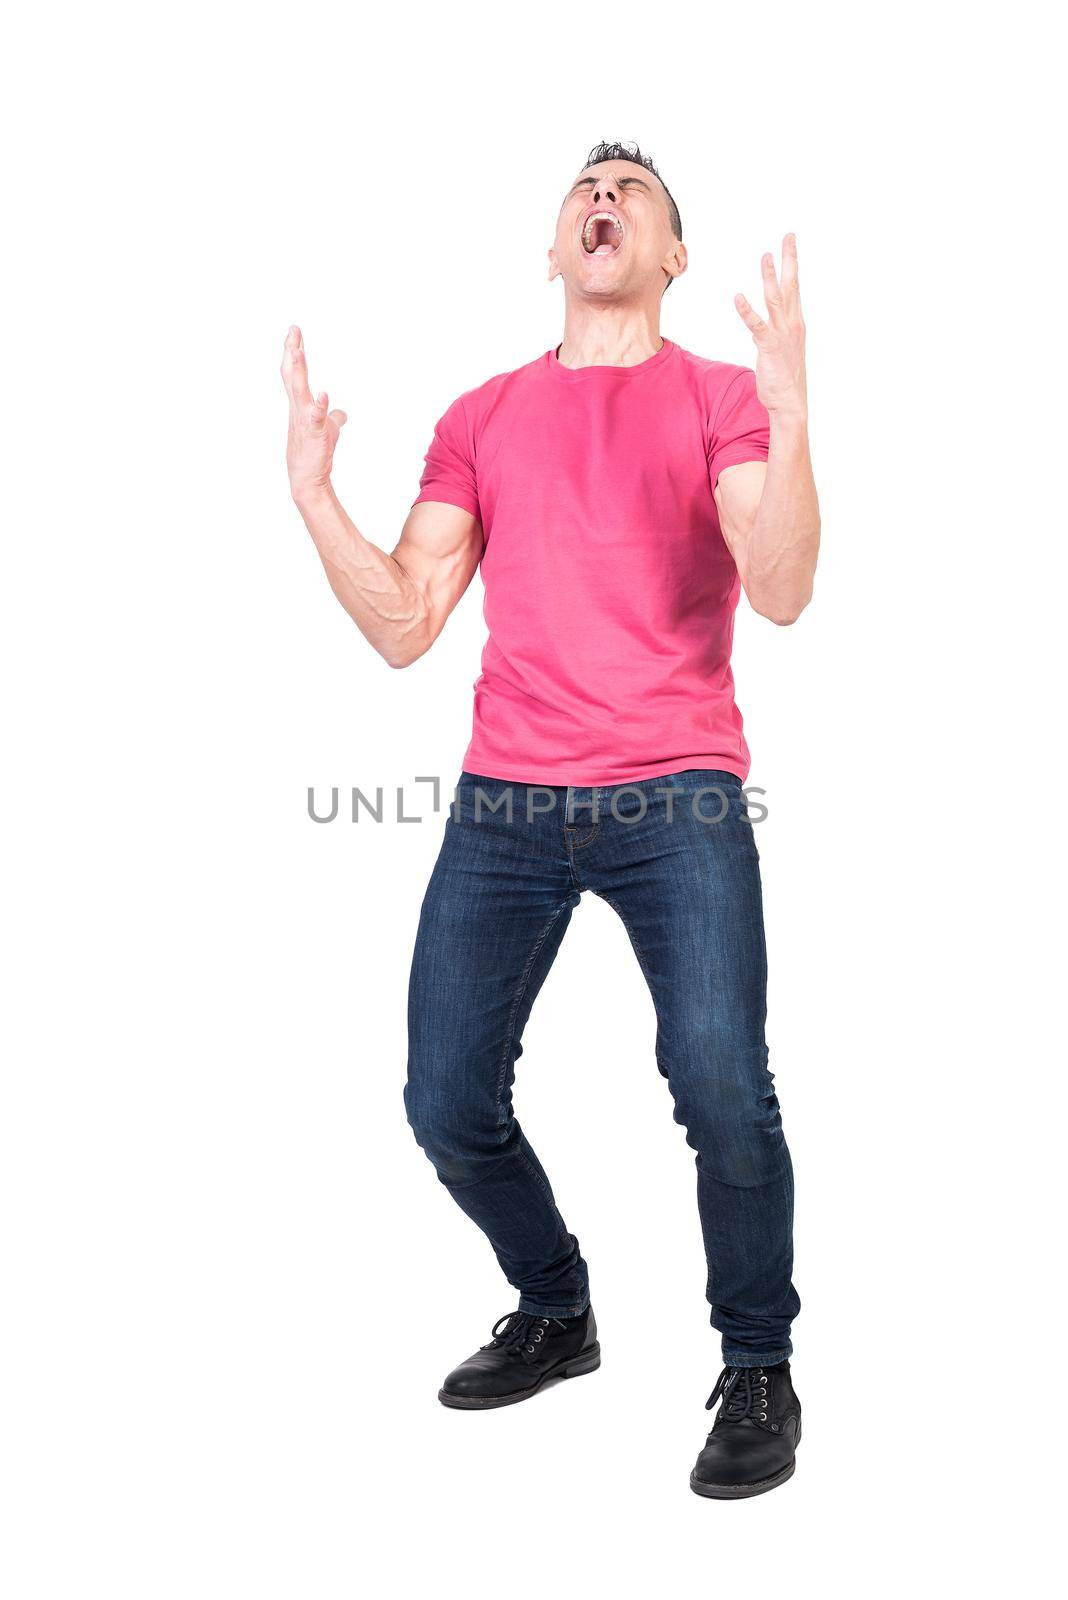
(579, 182)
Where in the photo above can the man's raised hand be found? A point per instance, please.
(780, 341)
(313, 427)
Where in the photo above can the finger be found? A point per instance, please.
(772, 291)
(319, 409)
(287, 363)
(293, 342)
(299, 389)
(755, 324)
(789, 265)
(339, 418)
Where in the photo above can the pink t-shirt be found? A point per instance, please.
(610, 593)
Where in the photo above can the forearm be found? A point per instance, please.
(390, 610)
(784, 542)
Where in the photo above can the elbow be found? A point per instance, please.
(784, 613)
(397, 659)
(410, 636)
(402, 653)
(406, 640)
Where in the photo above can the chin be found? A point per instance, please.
(601, 284)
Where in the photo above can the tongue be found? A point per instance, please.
(605, 250)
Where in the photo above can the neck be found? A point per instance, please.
(609, 335)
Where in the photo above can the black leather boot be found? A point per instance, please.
(523, 1354)
(751, 1446)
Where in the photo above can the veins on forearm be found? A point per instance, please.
(371, 585)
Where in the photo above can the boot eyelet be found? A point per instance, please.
(529, 1348)
(763, 1416)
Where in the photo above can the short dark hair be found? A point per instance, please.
(631, 152)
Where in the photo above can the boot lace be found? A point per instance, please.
(521, 1331)
(744, 1392)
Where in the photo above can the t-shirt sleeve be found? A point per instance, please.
(449, 473)
(739, 427)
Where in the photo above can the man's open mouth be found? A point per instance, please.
(602, 234)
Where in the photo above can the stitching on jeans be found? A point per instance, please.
(633, 937)
(542, 1185)
(580, 844)
(769, 1360)
(572, 868)
(539, 1177)
(509, 1038)
(772, 1359)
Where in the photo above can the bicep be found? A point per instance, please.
(737, 496)
(440, 548)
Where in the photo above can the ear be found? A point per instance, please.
(554, 265)
(675, 264)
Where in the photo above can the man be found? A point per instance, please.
(617, 492)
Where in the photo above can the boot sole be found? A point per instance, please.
(586, 1361)
(743, 1491)
(740, 1491)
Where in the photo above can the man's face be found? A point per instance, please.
(614, 238)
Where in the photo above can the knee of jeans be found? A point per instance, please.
(456, 1134)
(742, 1155)
(728, 1106)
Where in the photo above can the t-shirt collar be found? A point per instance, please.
(570, 374)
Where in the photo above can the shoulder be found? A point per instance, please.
(477, 403)
(712, 379)
(461, 426)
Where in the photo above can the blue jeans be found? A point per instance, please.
(676, 859)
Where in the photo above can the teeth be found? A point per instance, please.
(599, 216)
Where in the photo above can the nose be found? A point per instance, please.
(604, 192)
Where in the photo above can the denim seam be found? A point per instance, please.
(742, 1358)
(580, 844)
(638, 951)
(534, 1309)
(540, 1181)
(772, 1358)
(510, 1040)
(572, 870)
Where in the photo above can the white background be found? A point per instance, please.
(233, 1283)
